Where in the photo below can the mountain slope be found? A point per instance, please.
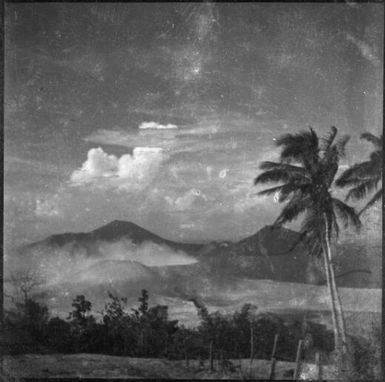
(112, 232)
(274, 253)
(271, 253)
(270, 241)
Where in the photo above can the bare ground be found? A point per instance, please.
(104, 366)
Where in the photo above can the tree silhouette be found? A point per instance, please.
(143, 299)
(82, 307)
(24, 282)
(306, 171)
(364, 177)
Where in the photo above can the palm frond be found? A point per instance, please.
(376, 159)
(341, 144)
(279, 175)
(377, 196)
(295, 207)
(298, 138)
(362, 189)
(329, 166)
(286, 190)
(347, 214)
(301, 147)
(377, 141)
(300, 190)
(270, 191)
(363, 171)
(267, 165)
(272, 176)
(328, 140)
(357, 181)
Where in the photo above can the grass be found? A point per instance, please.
(103, 366)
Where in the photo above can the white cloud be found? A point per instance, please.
(99, 163)
(129, 172)
(190, 138)
(148, 253)
(58, 265)
(156, 125)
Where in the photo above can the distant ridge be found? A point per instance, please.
(274, 253)
(113, 231)
(271, 240)
(120, 228)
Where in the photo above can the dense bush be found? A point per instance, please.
(25, 326)
(148, 332)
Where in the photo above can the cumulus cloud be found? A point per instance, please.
(127, 172)
(98, 163)
(140, 163)
(156, 125)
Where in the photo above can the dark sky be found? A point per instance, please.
(160, 113)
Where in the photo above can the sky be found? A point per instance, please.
(161, 113)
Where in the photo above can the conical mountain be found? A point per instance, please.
(111, 232)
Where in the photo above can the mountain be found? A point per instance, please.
(270, 241)
(268, 268)
(111, 232)
(274, 253)
(277, 253)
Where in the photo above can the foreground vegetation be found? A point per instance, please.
(147, 332)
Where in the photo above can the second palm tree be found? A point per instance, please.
(306, 171)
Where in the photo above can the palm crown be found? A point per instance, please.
(364, 177)
(306, 171)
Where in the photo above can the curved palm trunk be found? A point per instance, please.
(333, 308)
(340, 314)
(333, 286)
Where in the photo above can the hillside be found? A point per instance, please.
(115, 231)
(274, 253)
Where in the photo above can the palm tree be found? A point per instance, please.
(306, 171)
(365, 176)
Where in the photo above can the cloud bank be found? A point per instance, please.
(59, 265)
(129, 172)
(155, 125)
